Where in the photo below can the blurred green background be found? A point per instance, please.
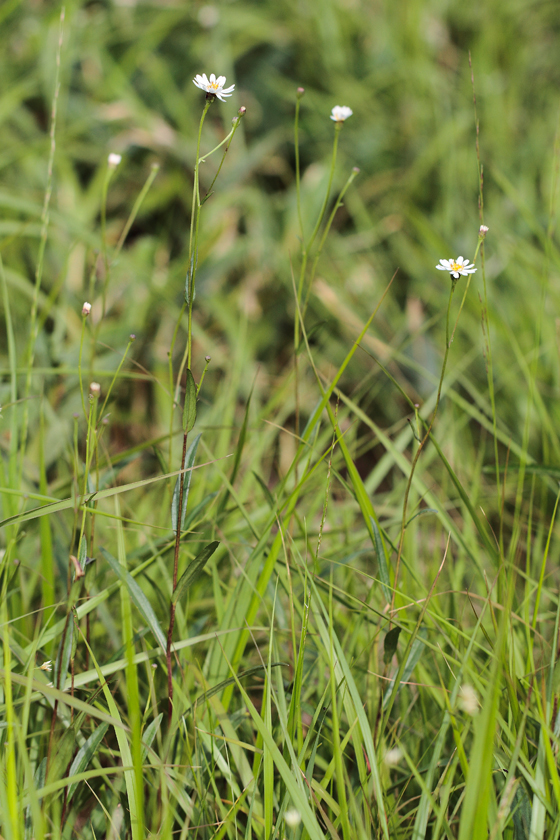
(126, 86)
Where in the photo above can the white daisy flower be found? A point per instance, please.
(213, 86)
(340, 113)
(457, 267)
(46, 666)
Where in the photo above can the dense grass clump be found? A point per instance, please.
(278, 498)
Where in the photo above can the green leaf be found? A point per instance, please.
(416, 651)
(149, 734)
(64, 652)
(84, 755)
(521, 812)
(391, 642)
(267, 494)
(190, 456)
(138, 597)
(194, 570)
(189, 408)
(423, 512)
(382, 560)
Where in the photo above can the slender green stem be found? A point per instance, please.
(337, 205)
(423, 443)
(80, 377)
(296, 150)
(33, 326)
(135, 210)
(131, 341)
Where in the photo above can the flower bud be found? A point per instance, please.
(114, 159)
(292, 818)
(242, 111)
(95, 389)
(86, 309)
(482, 231)
(300, 91)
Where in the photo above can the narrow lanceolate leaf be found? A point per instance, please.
(194, 570)
(64, 652)
(85, 754)
(138, 598)
(382, 561)
(190, 455)
(149, 734)
(189, 408)
(390, 647)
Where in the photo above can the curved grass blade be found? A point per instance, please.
(138, 597)
(194, 570)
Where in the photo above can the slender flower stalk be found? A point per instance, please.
(456, 269)
(215, 89)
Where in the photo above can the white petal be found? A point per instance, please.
(212, 78)
(442, 267)
(221, 81)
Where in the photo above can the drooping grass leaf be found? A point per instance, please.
(194, 570)
(138, 597)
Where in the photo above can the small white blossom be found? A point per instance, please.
(468, 700)
(86, 309)
(483, 230)
(340, 113)
(95, 388)
(46, 666)
(114, 159)
(292, 818)
(457, 267)
(213, 86)
(393, 757)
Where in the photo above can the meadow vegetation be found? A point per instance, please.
(341, 619)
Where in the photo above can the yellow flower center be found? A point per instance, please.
(214, 85)
(455, 266)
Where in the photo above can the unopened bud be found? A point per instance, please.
(292, 818)
(86, 309)
(95, 388)
(300, 91)
(208, 358)
(242, 111)
(356, 169)
(155, 166)
(132, 337)
(483, 230)
(114, 159)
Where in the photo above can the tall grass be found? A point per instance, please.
(279, 557)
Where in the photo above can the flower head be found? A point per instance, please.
(457, 267)
(213, 86)
(392, 757)
(95, 388)
(340, 113)
(468, 700)
(483, 230)
(86, 309)
(46, 666)
(292, 818)
(114, 159)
